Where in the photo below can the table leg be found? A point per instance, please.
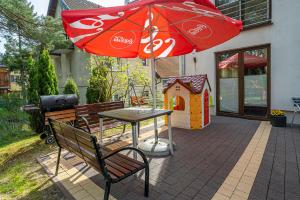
(155, 130)
(100, 132)
(138, 129)
(134, 138)
(170, 135)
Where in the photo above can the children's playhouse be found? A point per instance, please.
(188, 97)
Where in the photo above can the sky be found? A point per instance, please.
(41, 6)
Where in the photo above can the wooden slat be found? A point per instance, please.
(54, 113)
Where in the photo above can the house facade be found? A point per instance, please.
(258, 70)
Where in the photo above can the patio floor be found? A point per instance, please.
(231, 159)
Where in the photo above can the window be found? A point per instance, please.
(177, 103)
(251, 12)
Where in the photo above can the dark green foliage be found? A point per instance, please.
(47, 75)
(33, 81)
(71, 87)
(98, 83)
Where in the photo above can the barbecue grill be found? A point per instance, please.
(52, 103)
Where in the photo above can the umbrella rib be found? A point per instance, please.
(184, 20)
(183, 35)
(90, 40)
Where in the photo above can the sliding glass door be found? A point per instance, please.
(243, 82)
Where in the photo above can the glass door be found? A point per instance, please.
(256, 82)
(243, 82)
(228, 81)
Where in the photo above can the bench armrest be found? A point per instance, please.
(86, 123)
(128, 148)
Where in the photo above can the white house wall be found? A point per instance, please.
(80, 71)
(284, 38)
(180, 119)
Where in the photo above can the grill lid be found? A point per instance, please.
(58, 102)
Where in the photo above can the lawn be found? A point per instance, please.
(21, 177)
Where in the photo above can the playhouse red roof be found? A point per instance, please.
(193, 83)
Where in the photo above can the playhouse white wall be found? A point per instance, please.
(180, 119)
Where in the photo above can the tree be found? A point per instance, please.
(98, 84)
(27, 33)
(47, 75)
(71, 87)
(33, 80)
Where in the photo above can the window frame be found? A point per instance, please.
(255, 25)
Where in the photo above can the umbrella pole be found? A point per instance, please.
(153, 70)
(153, 66)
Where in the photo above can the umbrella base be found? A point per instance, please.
(152, 148)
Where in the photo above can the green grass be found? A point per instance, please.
(21, 177)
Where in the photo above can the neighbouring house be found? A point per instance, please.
(73, 62)
(258, 70)
(9, 80)
(4, 80)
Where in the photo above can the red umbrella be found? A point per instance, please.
(150, 29)
(178, 27)
(250, 61)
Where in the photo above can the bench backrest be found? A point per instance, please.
(62, 115)
(90, 112)
(80, 143)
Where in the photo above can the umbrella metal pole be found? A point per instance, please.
(153, 70)
(154, 96)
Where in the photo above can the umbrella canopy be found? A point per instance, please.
(176, 27)
(250, 61)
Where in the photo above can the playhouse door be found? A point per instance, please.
(206, 107)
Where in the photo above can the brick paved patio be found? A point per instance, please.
(203, 163)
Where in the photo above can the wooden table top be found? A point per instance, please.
(134, 115)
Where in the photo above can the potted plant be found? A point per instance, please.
(278, 118)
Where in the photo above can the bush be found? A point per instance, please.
(11, 102)
(33, 87)
(14, 123)
(47, 75)
(71, 87)
(98, 84)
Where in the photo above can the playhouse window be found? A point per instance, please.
(178, 103)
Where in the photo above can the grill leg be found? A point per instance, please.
(107, 190)
(57, 163)
(146, 192)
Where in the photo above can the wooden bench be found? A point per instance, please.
(66, 116)
(87, 116)
(114, 166)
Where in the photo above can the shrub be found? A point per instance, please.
(47, 75)
(33, 80)
(98, 83)
(71, 87)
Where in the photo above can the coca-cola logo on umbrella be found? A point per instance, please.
(197, 29)
(122, 39)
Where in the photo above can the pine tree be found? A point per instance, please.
(47, 75)
(71, 87)
(33, 80)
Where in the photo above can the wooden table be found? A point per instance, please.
(135, 116)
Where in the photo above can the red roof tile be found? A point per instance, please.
(193, 83)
